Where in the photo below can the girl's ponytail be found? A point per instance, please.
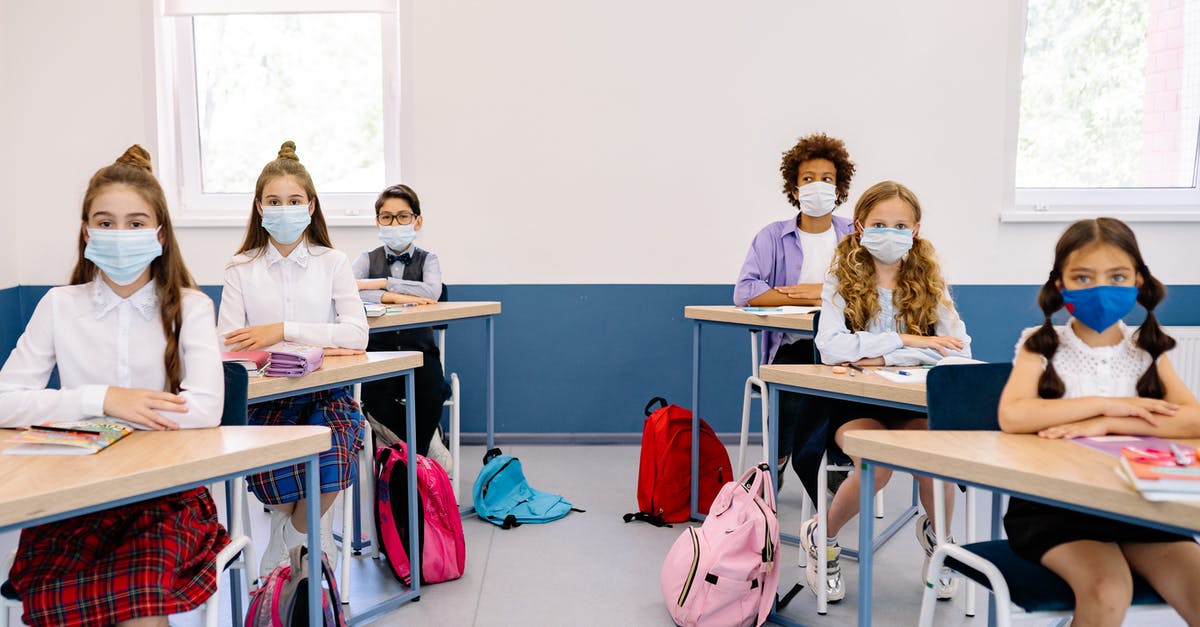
(1151, 337)
(1044, 341)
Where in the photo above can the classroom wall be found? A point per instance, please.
(598, 165)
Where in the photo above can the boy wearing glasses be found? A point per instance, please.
(400, 273)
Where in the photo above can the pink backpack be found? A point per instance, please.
(443, 549)
(283, 598)
(724, 573)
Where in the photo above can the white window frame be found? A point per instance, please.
(1070, 204)
(177, 116)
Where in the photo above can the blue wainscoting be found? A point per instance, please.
(584, 359)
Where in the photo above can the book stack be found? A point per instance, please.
(1159, 469)
(375, 310)
(256, 362)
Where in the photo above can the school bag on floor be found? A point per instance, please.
(443, 548)
(282, 601)
(724, 573)
(664, 474)
(503, 495)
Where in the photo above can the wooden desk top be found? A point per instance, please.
(735, 315)
(33, 486)
(1057, 469)
(867, 385)
(335, 370)
(433, 314)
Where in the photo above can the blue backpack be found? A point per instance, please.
(503, 496)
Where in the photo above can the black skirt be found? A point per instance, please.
(1034, 528)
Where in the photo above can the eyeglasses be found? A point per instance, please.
(390, 219)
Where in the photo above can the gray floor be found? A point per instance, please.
(593, 569)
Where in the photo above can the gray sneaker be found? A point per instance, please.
(835, 590)
(947, 583)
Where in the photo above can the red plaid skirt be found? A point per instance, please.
(152, 558)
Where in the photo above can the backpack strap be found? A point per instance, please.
(655, 520)
(657, 399)
(781, 602)
(510, 522)
(490, 455)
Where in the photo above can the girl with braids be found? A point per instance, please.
(884, 303)
(286, 282)
(133, 340)
(1096, 376)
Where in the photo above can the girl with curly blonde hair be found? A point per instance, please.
(884, 303)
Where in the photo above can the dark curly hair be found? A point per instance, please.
(817, 146)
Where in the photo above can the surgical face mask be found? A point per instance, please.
(817, 199)
(122, 254)
(287, 223)
(887, 245)
(1100, 307)
(399, 236)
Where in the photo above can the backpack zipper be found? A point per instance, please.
(494, 475)
(768, 551)
(687, 584)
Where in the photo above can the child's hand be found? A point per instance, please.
(1136, 407)
(337, 352)
(940, 343)
(1082, 429)
(391, 298)
(138, 405)
(255, 338)
(801, 292)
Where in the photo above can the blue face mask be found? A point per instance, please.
(122, 254)
(1100, 307)
(286, 224)
(398, 237)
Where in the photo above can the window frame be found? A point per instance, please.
(177, 111)
(1027, 204)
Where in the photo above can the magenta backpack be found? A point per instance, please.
(283, 598)
(723, 573)
(443, 549)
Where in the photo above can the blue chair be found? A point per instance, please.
(966, 398)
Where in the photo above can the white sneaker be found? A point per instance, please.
(835, 589)
(440, 454)
(277, 550)
(327, 544)
(947, 583)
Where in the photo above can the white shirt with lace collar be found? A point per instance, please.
(98, 339)
(311, 291)
(1110, 371)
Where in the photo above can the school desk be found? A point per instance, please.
(147, 464)
(342, 371)
(1057, 472)
(728, 315)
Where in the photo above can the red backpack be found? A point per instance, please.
(664, 475)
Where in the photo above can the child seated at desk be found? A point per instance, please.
(133, 339)
(884, 303)
(786, 265)
(287, 282)
(399, 272)
(1096, 376)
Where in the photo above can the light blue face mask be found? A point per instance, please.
(887, 245)
(287, 223)
(399, 236)
(122, 254)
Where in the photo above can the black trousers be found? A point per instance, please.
(382, 399)
(804, 431)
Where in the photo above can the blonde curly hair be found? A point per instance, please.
(920, 287)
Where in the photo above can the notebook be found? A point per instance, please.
(289, 359)
(255, 362)
(85, 437)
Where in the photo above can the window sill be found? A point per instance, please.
(1064, 216)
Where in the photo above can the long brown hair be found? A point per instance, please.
(1150, 336)
(920, 287)
(133, 170)
(286, 164)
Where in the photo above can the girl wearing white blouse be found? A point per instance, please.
(133, 340)
(288, 283)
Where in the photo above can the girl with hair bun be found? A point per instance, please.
(133, 340)
(1096, 376)
(286, 282)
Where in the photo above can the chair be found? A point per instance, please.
(755, 388)
(237, 514)
(966, 398)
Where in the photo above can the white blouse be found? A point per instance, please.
(881, 338)
(98, 339)
(1111, 371)
(312, 291)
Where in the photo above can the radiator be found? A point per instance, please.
(1186, 355)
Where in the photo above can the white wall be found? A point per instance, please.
(606, 142)
(10, 259)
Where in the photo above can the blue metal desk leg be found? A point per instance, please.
(410, 422)
(490, 324)
(235, 591)
(997, 502)
(695, 420)
(772, 442)
(313, 492)
(866, 546)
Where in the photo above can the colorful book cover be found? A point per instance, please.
(255, 362)
(84, 437)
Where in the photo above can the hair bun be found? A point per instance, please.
(288, 151)
(137, 157)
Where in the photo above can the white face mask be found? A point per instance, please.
(817, 198)
(887, 245)
(398, 237)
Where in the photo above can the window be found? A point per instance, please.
(237, 79)
(1109, 110)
